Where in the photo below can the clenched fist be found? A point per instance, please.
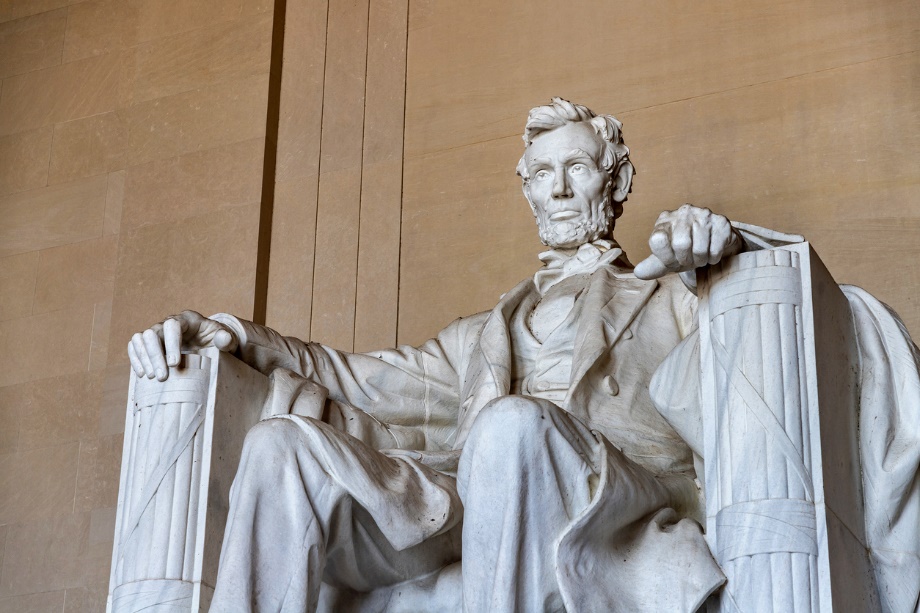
(688, 238)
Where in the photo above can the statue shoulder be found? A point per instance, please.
(466, 326)
(472, 323)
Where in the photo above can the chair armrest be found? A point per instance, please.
(779, 367)
(183, 439)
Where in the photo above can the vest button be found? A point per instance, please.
(627, 334)
(611, 384)
(542, 386)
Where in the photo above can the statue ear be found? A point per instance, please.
(623, 181)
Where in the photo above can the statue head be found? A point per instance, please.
(576, 172)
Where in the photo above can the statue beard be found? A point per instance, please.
(570, 235)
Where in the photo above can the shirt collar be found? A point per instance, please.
(560, 264)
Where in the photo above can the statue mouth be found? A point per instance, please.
(564, 215)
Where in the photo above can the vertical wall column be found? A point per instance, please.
(333, 272)
(290, 273)
(339, 202)
(381, 181)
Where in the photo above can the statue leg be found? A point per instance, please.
(526, 471)
(312, 504)
(552, 512)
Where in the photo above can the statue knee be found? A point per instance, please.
(272, 441)
(514, 410)
(510, 423)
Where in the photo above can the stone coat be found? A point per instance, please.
(629, 326)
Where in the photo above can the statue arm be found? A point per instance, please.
(405, 386)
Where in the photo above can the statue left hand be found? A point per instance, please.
(688, 238)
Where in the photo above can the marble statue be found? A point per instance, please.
(546, 455)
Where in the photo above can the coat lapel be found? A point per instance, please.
(489, 371)
(611, 304)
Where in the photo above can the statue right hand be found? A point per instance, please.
(158, 347)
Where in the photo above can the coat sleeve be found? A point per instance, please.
(407, 386)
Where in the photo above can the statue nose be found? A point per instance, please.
(561, 187)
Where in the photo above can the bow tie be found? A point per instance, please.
(559, 265)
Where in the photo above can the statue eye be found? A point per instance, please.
(542, 175)
(578, 169)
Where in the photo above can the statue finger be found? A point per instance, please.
(172, 339)
(158, 330)
(664, 218)
(650, 268)
(154, 346)
(660, 244)
(721, 233)
(189, 323)
(682, 244)
(701, 243)
(225, 340)
(137, 341)
(136, 363)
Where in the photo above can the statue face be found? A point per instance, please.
(568, 188)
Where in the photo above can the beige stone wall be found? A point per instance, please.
(334, 267)
(132, 137)
(797, 116)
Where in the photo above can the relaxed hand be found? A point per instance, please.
(158, 347)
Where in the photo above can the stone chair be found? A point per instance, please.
(779, 434)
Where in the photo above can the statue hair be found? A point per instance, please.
(561, 112)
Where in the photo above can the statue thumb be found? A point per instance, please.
(651, 268)
(225, 341)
